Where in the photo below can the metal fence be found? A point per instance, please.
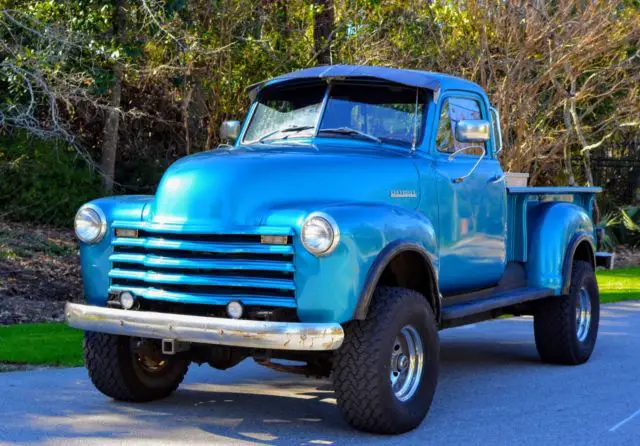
(617, 169)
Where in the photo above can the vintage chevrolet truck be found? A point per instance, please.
(355, 213)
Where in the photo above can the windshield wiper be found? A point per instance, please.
(295, 128)
(350, 131)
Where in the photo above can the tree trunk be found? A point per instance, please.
(323, 27)
(110, 138)
(282, 21)
(635, 199)
(112, 121)
(568, 168)
(186, 102)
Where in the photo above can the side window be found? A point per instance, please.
(444, 138)
(454, 110)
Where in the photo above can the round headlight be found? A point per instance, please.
(90, 224)
(320, 234)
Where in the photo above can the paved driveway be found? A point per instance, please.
(492, 390)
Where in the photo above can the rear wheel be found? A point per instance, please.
(566, 327)
(386, 371)
(131, 369)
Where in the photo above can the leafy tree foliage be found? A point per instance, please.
(563, 74)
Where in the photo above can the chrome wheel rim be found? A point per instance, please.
(151, 365)
(407, 362)
(148, 361)
(583, 314)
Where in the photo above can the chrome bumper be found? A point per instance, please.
(206, 330)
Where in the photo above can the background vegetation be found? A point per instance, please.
(102, 95)
(41, 344)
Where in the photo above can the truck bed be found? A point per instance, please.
(522, 200)
(526, 205)
(554, 190)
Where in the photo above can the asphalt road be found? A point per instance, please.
(492, 390)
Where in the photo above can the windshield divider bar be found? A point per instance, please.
(322, 109)
(415, 123)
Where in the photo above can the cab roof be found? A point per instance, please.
(413, 78)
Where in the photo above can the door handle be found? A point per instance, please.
(497, 178)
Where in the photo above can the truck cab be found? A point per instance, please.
(354, 213)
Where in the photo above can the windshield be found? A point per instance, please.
(378, 113)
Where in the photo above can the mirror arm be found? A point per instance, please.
(475, 166)
(498, 142)
(463, 149)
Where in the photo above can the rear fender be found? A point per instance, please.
(581, 247)
(558, 231)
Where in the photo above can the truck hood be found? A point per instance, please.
(241, 187)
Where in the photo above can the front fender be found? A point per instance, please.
(329, 288)
(94, 259)
(556, 230)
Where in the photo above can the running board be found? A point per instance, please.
(500, 300)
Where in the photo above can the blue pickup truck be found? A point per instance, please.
(353, 214)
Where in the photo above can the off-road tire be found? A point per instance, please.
(555, 324)
(362, 365)
(114, 371)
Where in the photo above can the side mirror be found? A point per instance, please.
(229, 131)
(473, 130)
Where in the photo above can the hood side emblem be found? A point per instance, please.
(403, 194)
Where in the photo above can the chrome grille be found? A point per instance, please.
(204, 268)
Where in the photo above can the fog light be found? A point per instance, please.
(235, 310)
(274, 239)
(127, 233)
(127, 300)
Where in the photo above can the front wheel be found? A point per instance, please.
(130, 369)
(566, 327)
(386, 371)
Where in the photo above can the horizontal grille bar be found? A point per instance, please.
(226, 248)
(202, 255)
(213, 238)
(204, 297)
(193, 279)
(151, 261)
(222, 291)
(206, 272)
(171, 228)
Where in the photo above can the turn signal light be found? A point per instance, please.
(274, 239)
(127, 233)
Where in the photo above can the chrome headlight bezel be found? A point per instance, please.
(329, 223)
(101, 226)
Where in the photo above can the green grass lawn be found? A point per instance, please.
(41, 344)
(59, 345)
(619, 284)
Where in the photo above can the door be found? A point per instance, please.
(472, 202)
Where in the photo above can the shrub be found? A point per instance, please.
(622, 227)
(43, 181)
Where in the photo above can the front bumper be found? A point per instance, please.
(206, 330)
